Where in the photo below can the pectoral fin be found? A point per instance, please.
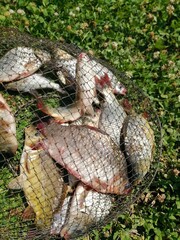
(15, 183)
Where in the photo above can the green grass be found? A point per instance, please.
(142, 39)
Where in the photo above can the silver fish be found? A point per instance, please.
(65, 62)
(33, 82)
(21, 62)
(86, 84)
(86, 95)
(59, 217)
(87, 209)
(112, 115)
(139, 145)
(8, 140)
(89, 155)
(61, 114)
(68, 63)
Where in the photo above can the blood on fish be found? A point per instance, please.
(146, 115)
(127, 105)
(37, 146)
(104, 80)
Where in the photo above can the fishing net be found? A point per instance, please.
(79, 142)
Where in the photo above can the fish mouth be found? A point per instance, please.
(85, 56)
(81, 55)
(123, 91)
(120, 90)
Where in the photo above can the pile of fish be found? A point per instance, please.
(75, 163)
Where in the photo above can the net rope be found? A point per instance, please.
(79, 141)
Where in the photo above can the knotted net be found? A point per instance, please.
(79, 142)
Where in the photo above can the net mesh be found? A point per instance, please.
(79, 141)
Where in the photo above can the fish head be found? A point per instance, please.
(119, 89)
(60, 54)
(83, 57)
(32, 136)
(43, 55)
(105, 82)
(78, 226)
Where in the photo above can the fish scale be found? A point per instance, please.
(112, 115)
(68, 64)
(33, 82)
(40, 179)
(86, 209)
(138, 138)
(89, 155)
(21, 62)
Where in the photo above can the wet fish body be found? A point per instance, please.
(40, 180)
(33, 82)
(112, 115)
(86, 84)
(61, 114)
(59, 217)
(67, 63)
(139, 144)
(21, 62)
(8, 140)
(89, 155)
(87, 209)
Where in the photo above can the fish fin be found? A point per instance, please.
(89, 110)
(15, 183)
(127, 106)
(2, 105)
(28, 213)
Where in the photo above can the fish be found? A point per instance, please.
(89, 154)
(112, 113)
(61, 77)
(138, 139)
(87, 209)
(104, 80)
(21, 62)
(40, 179)
(101, 71)
(85, 76)
(8, 139)
(86, 95)
(33, 82)
(59, 217)
(61, 114)
(68, 65)
(88, 120)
